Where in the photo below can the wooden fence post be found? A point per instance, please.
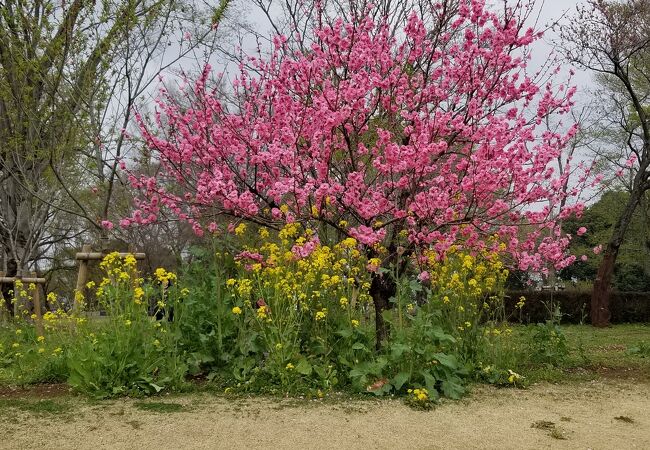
(81, 279)
(37, 306)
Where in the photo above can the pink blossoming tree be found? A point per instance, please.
(436, 132)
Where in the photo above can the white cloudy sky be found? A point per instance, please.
(549, 11)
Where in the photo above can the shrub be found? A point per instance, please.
(128, 352)
(625, 307)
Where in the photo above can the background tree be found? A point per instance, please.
(632, 269)
(47, 66)
(613, 39)
(70, 77)
(424, 141)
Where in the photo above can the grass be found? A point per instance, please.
(612, 352)
(34, 406)
(608, 349)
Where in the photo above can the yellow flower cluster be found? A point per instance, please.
(121, 272)
(419, 395)
(263, 313)
(466, 274)
(164, 276)
(513, 377)
(467, 286)
(59, 319)
(522, 301)
(296, 269)
(321, 315)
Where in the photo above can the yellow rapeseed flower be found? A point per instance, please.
(322, 314)
(138, 293)
(240, 229)
(262, 312)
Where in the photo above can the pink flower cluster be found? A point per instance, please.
(437, 134)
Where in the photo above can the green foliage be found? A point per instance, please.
(419, 353)
(641, 349)
(548, 344)
(207, 333)
(267, 321)
(632, 269)
(27, 358)
(128, 354)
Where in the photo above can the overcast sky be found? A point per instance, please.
(549, 11)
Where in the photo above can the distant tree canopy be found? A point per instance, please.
(632, 269)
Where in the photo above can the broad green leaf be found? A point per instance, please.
(303, 367)
(399, 380)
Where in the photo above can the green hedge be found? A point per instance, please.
(625, 307)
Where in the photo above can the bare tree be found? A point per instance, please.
(70, 75)
(612, 39)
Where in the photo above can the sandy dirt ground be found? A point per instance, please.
(595, 415)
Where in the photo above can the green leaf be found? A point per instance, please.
(387, 315)
(399, 380)
(359, 346)
(449, 361)
(303, 367)
(415, 286)
(439, 334)
(429, 381)
(452, 389)
(397, 350)
(344, 332)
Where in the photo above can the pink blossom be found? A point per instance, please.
(630, 161)
(107, 224)
(424, 276)
(299, 148)
(584, 258)
(581, 231)
(598, 249)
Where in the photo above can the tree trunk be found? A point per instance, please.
(600, 314)
(382, 288)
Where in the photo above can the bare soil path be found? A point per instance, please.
(604, 414)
